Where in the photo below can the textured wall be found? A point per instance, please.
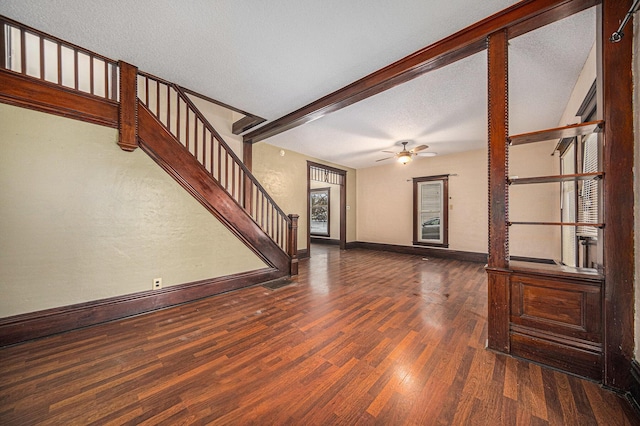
(385, 201)
(285, 179)
(82, 220)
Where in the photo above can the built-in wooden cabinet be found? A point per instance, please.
(556, 317)
(545, 312)
(554, 312)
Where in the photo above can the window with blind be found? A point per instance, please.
(430, 210)
(588, 200)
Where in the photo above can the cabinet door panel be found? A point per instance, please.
(567, 307)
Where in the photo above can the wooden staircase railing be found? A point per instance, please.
(178, 114)
(32, 53)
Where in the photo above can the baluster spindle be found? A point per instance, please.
(178, 108)
(186, 126)
(226, 170)
(146, 92)
(219, 159)
(75, 69)
(3, 52)
(204, 147)
(158, 100)
(262, 220)
(23, 53)
(272, 214)
(91, 76)
(211, 143)
(106, 78)
(196, 120)
(41, 58)
(59, 58)
(233, 180)
(169, 108)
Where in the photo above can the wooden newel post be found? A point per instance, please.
(128, 111)
(292, 243)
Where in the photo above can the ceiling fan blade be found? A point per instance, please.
(389, 152)
(419, 148)
(382, 159)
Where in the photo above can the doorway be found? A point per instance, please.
(323, 182)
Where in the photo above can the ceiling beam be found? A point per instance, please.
(246, 123)
(518, 19)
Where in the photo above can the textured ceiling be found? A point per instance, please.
(271, 58)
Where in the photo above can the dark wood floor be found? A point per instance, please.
(360, 337)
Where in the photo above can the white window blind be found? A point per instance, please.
(588, 207)
(430, 212)
(568, 208)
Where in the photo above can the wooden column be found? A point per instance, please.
(343, 212)
(247, 159)
(617, 87)
(128, 111)
(292, 243)
(497, 268)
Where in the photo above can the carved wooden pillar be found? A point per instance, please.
(497, 268)
(292, 243)
(128, 111)
(617, 87)
(247, 159)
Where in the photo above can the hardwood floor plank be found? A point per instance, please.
(359, 337)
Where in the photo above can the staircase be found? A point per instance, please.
(47, 74)
(42, 72)
(180, 139)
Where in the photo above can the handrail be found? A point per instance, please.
(180, 117)
(33, 53)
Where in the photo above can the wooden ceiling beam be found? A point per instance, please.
(518, 19)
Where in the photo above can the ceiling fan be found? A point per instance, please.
(405, 155)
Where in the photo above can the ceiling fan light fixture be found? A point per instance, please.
(404, 158)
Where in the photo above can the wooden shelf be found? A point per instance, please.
(594, 225)
(558, 178)
(557, 133)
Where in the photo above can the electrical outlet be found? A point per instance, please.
(157, 283)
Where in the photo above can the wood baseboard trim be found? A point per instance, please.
(422, 251)
(34, 325)
(303, 254)
(316, 240)
(634, 392)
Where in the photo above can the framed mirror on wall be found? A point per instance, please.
(320, 211)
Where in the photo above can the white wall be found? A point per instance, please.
(385, 200)
(82, 220)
